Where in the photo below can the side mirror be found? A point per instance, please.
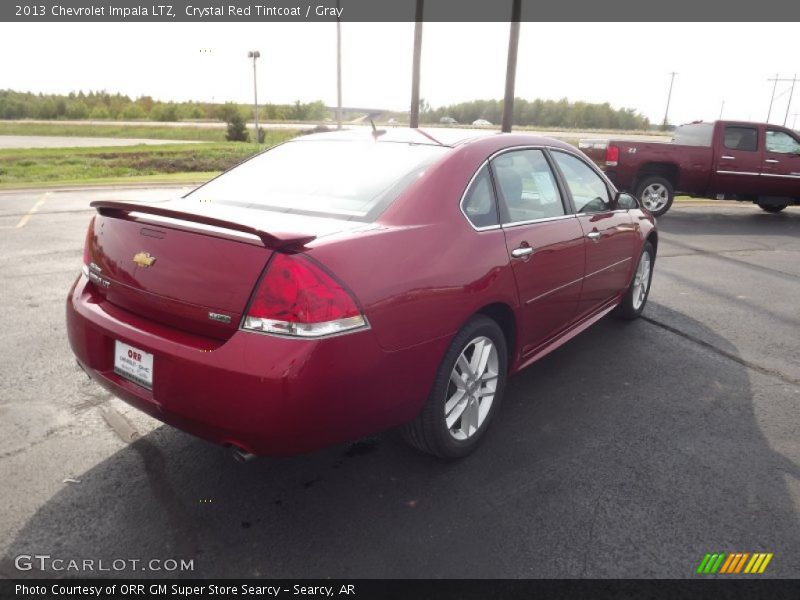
(625, 201)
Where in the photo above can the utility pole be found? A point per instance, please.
(669, 98)
(791, 93)
(789, 105)
(772, 98)
(721, 108)
(338, 68)
(511, 66)
(414, 120)
(255, 54)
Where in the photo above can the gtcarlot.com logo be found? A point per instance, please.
(46, 562)
(734, 563)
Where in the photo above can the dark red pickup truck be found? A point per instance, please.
(730, 160)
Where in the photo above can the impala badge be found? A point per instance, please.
(219, 317)
(143, 259)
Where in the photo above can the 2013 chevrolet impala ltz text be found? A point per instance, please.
(345, 283)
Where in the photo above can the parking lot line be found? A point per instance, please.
(27, 216)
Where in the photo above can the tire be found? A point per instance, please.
(656, 194)
(634, 300)
(772, 208)
(456, 435)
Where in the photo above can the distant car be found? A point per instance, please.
(392, 121)
(448, 121)
(482, 123)
(343, 283)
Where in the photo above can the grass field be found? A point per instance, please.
(39, 166)
(112, 130)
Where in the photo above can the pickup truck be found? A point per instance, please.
(726, 160)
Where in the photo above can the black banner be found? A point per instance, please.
(399, 11)
(643, 589)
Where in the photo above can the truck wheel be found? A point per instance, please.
(656, 194)
(772, 208)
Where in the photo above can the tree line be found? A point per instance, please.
(540, 113)
(103, 105)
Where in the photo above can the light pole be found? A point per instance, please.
(255, 54)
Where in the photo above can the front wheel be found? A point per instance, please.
(466, 392)
(635, 298)
(772, 208)
(656, 194)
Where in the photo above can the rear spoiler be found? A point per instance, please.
(114, 208)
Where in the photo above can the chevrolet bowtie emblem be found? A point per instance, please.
(143, 259)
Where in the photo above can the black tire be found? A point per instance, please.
(772, 208)
(655, 180)
(429, 432)
(627, 308)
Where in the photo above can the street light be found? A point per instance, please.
(255, 54)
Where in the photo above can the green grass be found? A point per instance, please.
(49, 166)
(112, 130)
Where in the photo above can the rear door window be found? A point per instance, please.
(527, 186)
(741, 138)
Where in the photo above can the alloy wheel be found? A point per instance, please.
(655, 197)
(641, 280)
(472, 388)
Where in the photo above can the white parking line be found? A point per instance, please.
(27, 217)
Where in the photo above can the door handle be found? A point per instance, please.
(771, 161)
(594, 235)
(521, 252)
(728, 157)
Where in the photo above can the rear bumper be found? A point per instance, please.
(266, 394)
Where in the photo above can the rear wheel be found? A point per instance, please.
(466, 392)
(635, 298)
(656, 194)
(772, 208)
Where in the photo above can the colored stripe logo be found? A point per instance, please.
(734, 563)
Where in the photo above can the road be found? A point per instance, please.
(629, 452)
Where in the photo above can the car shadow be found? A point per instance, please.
(628, 452)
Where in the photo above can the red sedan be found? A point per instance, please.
(342, 284)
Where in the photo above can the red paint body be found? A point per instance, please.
(707, 168)
(419, 272)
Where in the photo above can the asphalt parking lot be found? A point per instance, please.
(629, 452)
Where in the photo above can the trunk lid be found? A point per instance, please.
(190, 266)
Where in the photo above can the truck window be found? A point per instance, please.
(694, 134)
(782, 143)
(741, 138)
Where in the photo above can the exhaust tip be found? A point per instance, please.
(240, 455)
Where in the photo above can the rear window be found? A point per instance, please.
(342, 179)
(694, 134)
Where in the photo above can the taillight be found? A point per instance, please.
(299, 298)
(87, 245)
(612, 155)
